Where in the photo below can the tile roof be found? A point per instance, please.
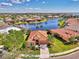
(73, 24)
(41, 36)
(65, 34)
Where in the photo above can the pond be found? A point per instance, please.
(50, 24)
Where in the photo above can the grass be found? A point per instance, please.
(28, 51)
(21, 23)
(59, 46)
(30, 58)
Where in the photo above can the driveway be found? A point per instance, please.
(44, 52)
(74, 55)
(0, 57)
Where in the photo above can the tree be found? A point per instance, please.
(14, 40)
(61, 23)
(77, 37)
(1, 38)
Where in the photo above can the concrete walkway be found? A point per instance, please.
(44, 52)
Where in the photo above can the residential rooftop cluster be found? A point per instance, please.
(70, 29)
(33, 32)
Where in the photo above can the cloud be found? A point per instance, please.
(5, 4)
(28, 0)
(44, 2)
(75, 0)
(17, 1)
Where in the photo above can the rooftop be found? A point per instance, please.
(65, 34)
(41, 36)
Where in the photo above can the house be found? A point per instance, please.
(71, 29)
(33, 19)
(72, 24)
(65, 34)
(5, 28)
(9, 20)
(37, 38)
(38, 18)
(72, 21)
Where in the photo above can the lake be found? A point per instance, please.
(50, 24)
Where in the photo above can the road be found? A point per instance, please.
(74, 55)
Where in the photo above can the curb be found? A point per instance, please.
(64, 53)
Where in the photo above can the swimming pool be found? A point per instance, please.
(50, 24)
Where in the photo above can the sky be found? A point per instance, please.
(43, 6)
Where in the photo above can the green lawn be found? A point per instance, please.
(58, 46)
(30, 52)
(30, 58)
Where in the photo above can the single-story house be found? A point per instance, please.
(38, 37)
(65, 34)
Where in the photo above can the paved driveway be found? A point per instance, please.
(0, 57)
(44, 52)
(70, 56)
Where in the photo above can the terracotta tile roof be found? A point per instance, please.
(72, 21)
(65, 34)
(73, 24)
(41, 36)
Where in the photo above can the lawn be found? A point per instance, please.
(59, 46)
(30, 52)
(30, 58)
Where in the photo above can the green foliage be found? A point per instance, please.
(50, 37)
(61, 23)
(14, 40)
(72, 39)
(77, 37)
(1, 38)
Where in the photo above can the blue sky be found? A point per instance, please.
(24, 6)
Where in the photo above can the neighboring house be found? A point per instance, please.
(37, 38)
(72, 24)
(65, 34)
(6, 28)
(37, 18)
(9, 20)
(33, 20)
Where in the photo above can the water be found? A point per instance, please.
(50, 24)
